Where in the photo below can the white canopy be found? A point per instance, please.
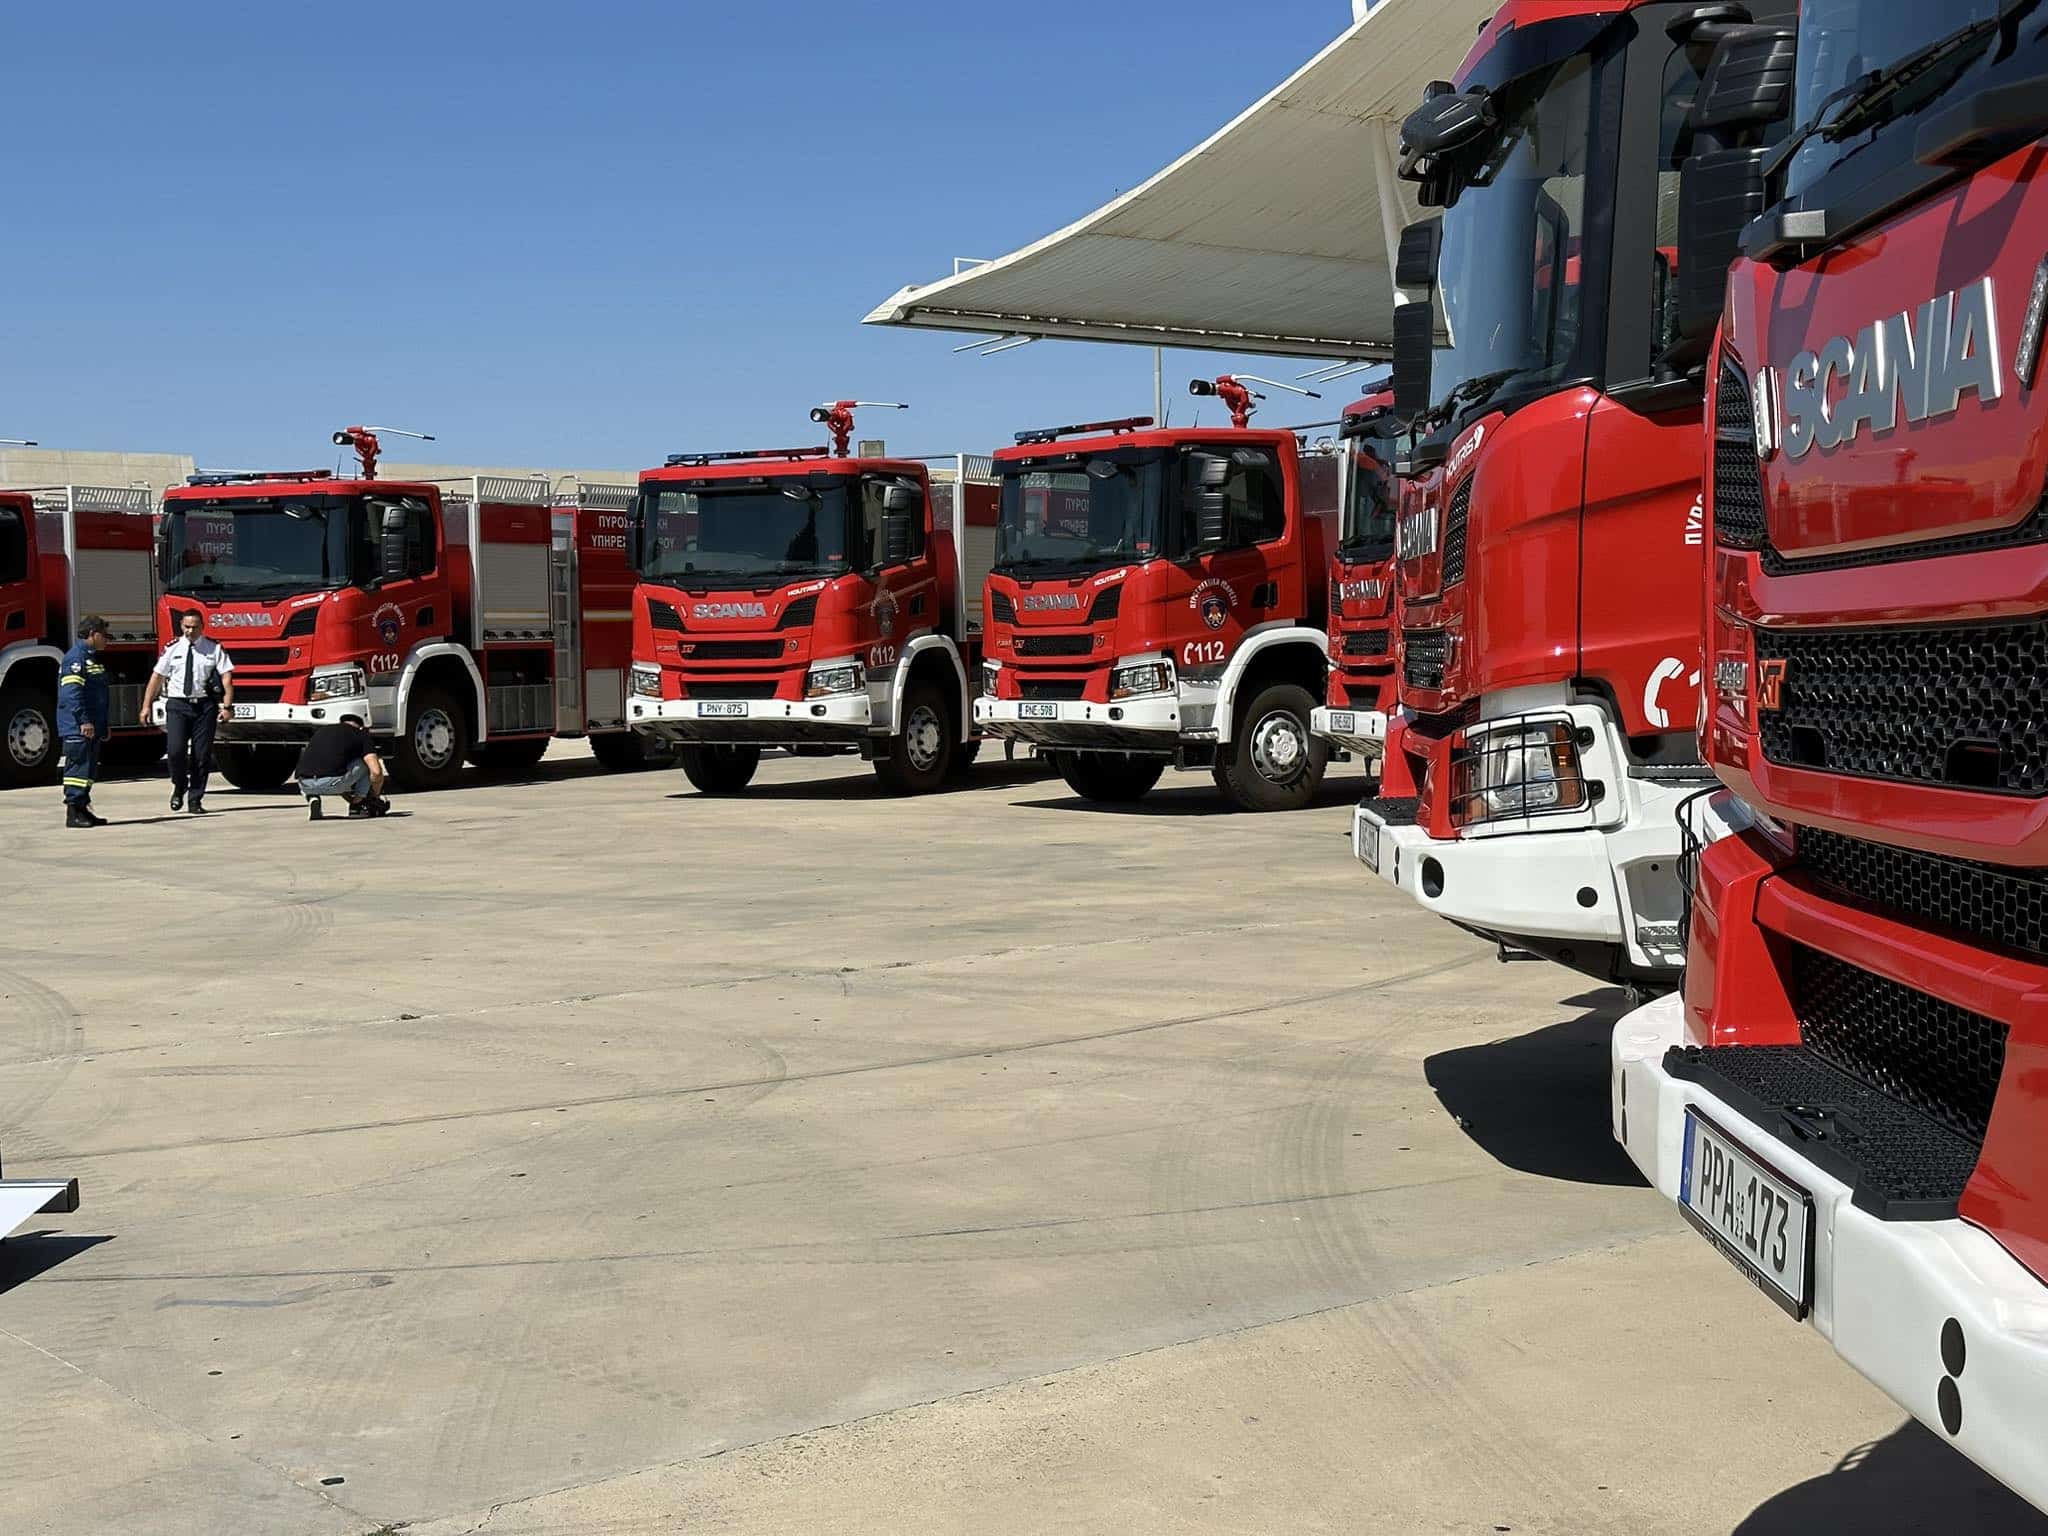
(1274, 236)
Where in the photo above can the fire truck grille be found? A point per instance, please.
(302, 623)
(1943, 1060)
(1965, 707)
(1108, 603)
(1738, 481)
(799, 613)
(1000, 609)
(1425, 653)
(1055, 645)
(1454, 533)
(1988, 901)
(1068, 688)
(1366, 642)
(259, 693)
(662, 615)
(259, 655)
(730, 650)
(753, 688)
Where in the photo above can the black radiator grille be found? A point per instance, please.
(1454, 532)
(302, 623)
(1108, 603)
(662, 615)
(1738, 480)
(1988, 901)
(1964, 707)
(799, 613)
(730, 650)
(1424, 655)
(1943, 1060)
(1052, 687)
(1000, 609)
(259, 655)
(259, 693)
(1366, 642)
(753, 688)
(1054, 645)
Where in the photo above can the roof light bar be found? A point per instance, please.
(1053, 434)
(679, 460)
(255, 476)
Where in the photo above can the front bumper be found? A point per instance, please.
(282, 722)
(841, 719)
(1147, 725)
(1363, 731)
(1883, 1291)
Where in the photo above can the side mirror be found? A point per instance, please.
(1747, 86)
(1414, 351)
(1415, 261)
(1212, 498)
(160, 544)
(393, 551)
(1441, 142)
(899, 533)
(901, 496)
(636, 534)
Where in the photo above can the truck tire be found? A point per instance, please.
(921, 753)
(436, 741)
(251, 766)
(964, 754)
(506, 759)
(630, 752)
(719, 770)
(1273, 762)
(1108, 777)
(30, 751)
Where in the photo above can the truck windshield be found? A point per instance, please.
(1081, 514)
(1841, 41)
(711, 532)
(1368, 532)
(1508, 279)
(257, 546)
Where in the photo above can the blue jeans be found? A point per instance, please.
(353, 781)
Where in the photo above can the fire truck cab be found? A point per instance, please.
(1362, 576)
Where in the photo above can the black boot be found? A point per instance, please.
(314, 812)
(92, 815)
(78, 816)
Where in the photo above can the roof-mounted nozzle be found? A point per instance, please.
(1230, 389)
(836, 416)
(18, 442)
(367, 447)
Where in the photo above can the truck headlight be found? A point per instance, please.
(846, 677)
(339, 683)
(989, 673)
(646, 681)
(1517, 771)
(1146, 677)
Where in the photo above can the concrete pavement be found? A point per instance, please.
(584, 1154)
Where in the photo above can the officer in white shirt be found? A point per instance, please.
(196, 679)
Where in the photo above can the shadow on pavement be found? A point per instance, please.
(1539, 1102)
(1195, 800)
(864, 786)
(1908, 1482)
(28, 1254)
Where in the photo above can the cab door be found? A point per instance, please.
(1231, 502)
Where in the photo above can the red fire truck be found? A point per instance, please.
(1361, 683)
(66, 551)
(474, 623)
(808, 599)
(1845, 1099)
(1159, 597)
(1549, 653)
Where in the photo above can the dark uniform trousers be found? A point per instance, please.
(188, 731)
(81, 767)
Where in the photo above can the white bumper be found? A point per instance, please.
(285, 721)
(1883, 1291)
(1363, 731)
(845, 715)
(1143, 724)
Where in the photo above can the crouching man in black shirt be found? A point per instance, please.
(342, 759)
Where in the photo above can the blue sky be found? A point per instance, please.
(576, 235)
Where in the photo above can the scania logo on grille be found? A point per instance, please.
(728, 610)
(239, 621)
(1042, 602)
(1770, 683)
(1360, 591)
(1416, 534)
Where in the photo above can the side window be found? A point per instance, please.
(869, 545)
(13, 546)
(1681, 82)
(421, 554)
(1255, 500)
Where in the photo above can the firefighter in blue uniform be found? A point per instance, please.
(82, 719)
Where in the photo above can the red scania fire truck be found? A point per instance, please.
(1848, 1100)
(1159, 597)
(1361, 683)
(474, 623)
(66, 551)
(808, 599)
(1549, 649)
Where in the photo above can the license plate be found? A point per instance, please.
(242, 712)
(1755, 1215)
(708, 709)
(1038, 711)
(1369, 846)
(1342, 722)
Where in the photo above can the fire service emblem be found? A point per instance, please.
(389, 623)
(1213, 599)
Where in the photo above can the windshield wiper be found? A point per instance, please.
(1473, 391)
(1872, 99)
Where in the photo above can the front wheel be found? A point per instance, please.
(430, 753)
(1273, 762)
(249, 766)
(29, 749)
(921, 752)
(719, 770)
(1105, 776)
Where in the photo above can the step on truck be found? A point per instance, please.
(1361, 683)
(1549, 646)
(67, 551)
(1847, 1099)
(811, 600)
(472, 622)
(1159, 598)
